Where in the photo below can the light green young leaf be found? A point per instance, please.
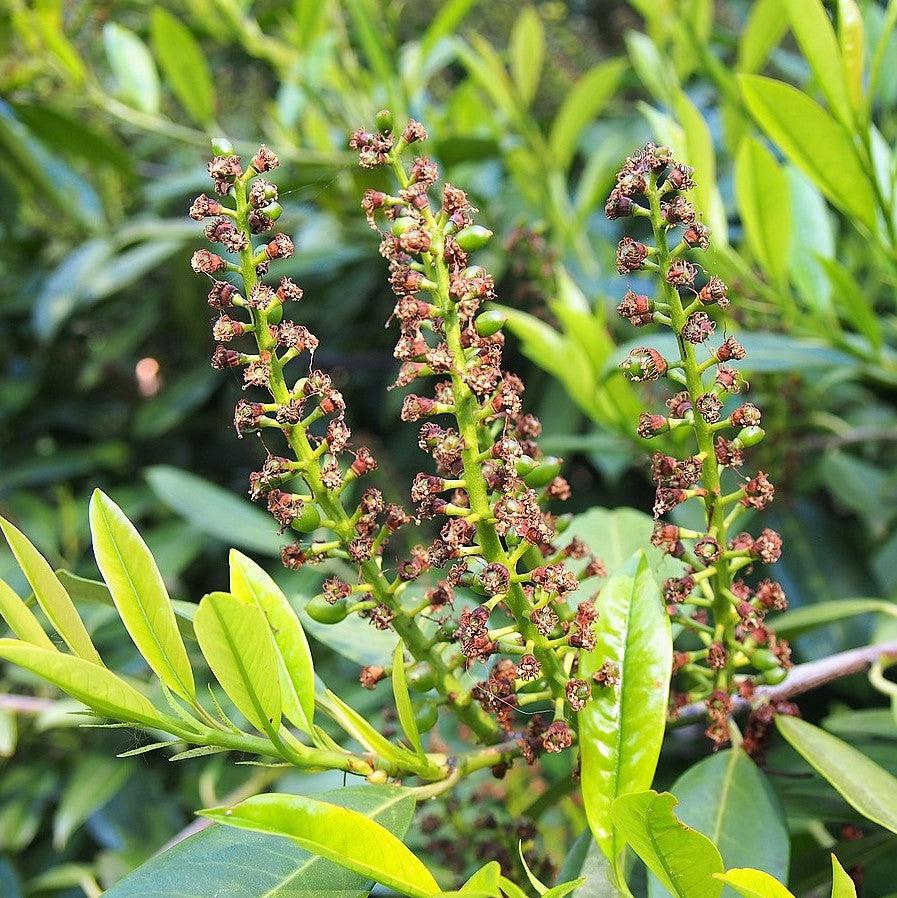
(853, 301)
(765, 26)
(89, 683)
(346, 837)
(183, 64)
(130, 571)
(727, 798)
(622, 726)
(253, 585)
(20, 619)
(403, 699)
(446, 20)
(50, 594)
(801, 620)
(852, 41)
(813, 141)
(237, 643)
(527, 48)
(761, 187)
(683, 859)
(485, 880)
(842, 884)
(654, 69)
(754, 883)
(816, 37)
(221, 860)
(582, 105)
(137, 80)
(864, 785)
(561, 890)
(813, 241)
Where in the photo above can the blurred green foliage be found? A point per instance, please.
(105, 113)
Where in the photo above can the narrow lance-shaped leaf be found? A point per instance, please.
(842, 884)
(237, 643)
(252, 584)
(89, 683)
(222, 860)
(754, 883)
(139, 593)
(487, 879)
(50, 594)
(403, 699)
(761, 187)
(816, 37)
(132, 65)
(622, 726)
(527, 48)
(852, 41)
(184, 65)
(20, 619)
(813, 141)
(338, 834)
(683, 859)
(864, 785)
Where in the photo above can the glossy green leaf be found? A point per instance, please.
(864, 785)
(239, 864)
(754, 884)
(842, 884)
(813, 241)
(183, 64)
(136, 78)
(582, 105)
(403, 699)
(216, 511)
(89, 683)
(766, 24)
(622, 726)
(133, 578)
(449, 16)
(852, 41)
(654, 68)
(683, 859)
(338, 834)
(237, 643)
(854, 303)
(761, 188)
(50, 594)
(527, 49)
(728, 798)
(817, 40)
(565, 888)
(252, 584)
(20, 619)
(813, 141)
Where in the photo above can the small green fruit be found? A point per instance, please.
(524, 465)
(421, 679)
(221, 146)
(405, 223)
(384, 121)
(764, 659)
(310, 519)
(473, 238)
(489, 323)
(273, 211)
(750, 436)
(775, 676)
(275, 315)
(426, 716)
(545, 471)
(320, 610)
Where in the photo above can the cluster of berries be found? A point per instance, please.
(724, 612)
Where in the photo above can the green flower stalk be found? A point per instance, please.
(710, 599)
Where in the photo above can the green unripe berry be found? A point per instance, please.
(775, 676)
(221, 146)
(384, 121)
(275, 314)
(524, 465)
(489, 323)
(273, 211)
(421, 679)
(750, 436)
(764, 659)
(545, 471)
(562, 522)
(320, 610)
(426, 716)
(473, 238)
(405, 223)
(310, 519)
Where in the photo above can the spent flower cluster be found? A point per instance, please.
(724, 611)
(491, 490)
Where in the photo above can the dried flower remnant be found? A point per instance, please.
(710, 598)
